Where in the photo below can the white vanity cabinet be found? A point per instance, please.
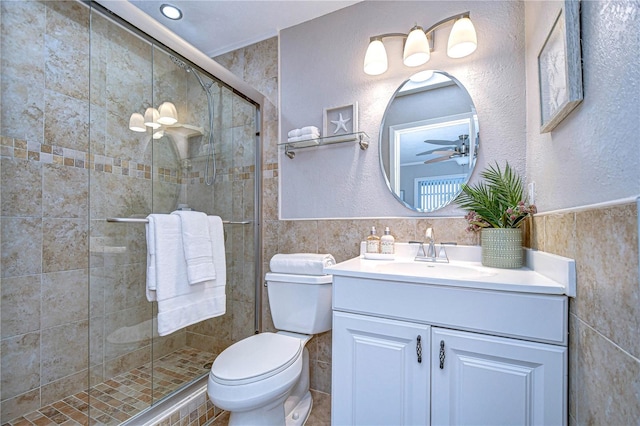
(487, 380)
(380, 371)
(504, 352)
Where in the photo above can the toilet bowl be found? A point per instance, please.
(264, 379)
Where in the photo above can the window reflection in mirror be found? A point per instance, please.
(429, 142)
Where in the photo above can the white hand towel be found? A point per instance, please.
(165, 258)
(294, 133)
(301, 263)
(196, 242)
(309, 130)
(179, 303)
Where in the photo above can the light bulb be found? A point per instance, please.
(136, 122)
(151, 116)
(375, 60)
(462, 40)
(416, 48)
(168, 114)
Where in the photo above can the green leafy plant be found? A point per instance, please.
(499, 202)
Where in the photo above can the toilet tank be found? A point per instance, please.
(300, 303)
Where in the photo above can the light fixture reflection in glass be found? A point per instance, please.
(168, 114)
(151, 116)
(375, 60)
(462, 40)
(416, 48)
(421, 76)
(136, 122)
(170, 11)
(158, 134)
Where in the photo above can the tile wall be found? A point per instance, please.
(604, 370)
(70, 280)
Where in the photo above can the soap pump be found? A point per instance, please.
(373, 242)
(387, 242)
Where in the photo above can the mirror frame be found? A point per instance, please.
(473, 152)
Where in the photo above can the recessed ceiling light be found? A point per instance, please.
(171, 12)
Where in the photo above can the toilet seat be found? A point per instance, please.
(255, 358)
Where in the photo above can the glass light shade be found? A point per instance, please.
(462, 40)
(416, 48)
(158, 134)
(136, 122)
(375, 60)
(151, 116)
(168, 114)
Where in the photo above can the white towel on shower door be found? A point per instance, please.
(179, 303)
(198, 249)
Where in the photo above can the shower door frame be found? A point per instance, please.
(130, 17)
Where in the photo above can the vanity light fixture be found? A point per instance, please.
(170, 11)
(151, 116)
(167, 114)
(419, 43)
(136, 123)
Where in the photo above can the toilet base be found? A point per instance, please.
(300, 413)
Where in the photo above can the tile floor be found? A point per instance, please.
(122, 397)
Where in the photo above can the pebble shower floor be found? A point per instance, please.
(122, 397)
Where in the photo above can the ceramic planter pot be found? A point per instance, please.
(502, 247)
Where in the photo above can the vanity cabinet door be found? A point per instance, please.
(380, 373)
(480, 379)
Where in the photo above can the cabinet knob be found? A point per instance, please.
(419, 348)
(441, 354)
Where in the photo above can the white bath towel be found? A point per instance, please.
(293, 133)
(309, 130)
(197, 247)
(301, 263)
(179, 303)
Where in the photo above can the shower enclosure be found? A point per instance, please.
(79, 340)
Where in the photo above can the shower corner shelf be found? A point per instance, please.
(290, 147)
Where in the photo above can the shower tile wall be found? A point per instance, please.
(72, 285)
(44, 139)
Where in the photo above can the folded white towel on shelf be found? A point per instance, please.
(309, 130)
(294, 133)
(179, 303)
(301, 263)
(196, 242)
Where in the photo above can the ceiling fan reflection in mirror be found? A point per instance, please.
(457, 150)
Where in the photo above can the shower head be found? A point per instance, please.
(188, 68)
(180, 63)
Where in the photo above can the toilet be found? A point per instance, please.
(264, 379)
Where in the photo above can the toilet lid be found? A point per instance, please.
(256, 358)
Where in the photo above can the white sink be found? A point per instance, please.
(543, 273)
(432, 270)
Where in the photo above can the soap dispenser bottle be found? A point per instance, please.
(387, 242)
(373, 242)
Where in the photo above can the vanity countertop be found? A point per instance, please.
(543, 273)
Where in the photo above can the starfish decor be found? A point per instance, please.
(341, 123)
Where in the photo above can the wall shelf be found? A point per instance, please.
(290, 147)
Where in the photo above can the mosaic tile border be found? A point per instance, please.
(52, 154)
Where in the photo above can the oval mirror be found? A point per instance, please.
(429, 141)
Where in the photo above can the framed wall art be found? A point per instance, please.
(560, 67)
(340, 122)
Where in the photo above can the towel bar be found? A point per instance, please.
(142, 220)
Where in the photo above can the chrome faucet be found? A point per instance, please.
(430, 255)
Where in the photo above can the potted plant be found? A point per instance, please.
(497, 208)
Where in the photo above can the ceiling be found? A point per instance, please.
(220, 26)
